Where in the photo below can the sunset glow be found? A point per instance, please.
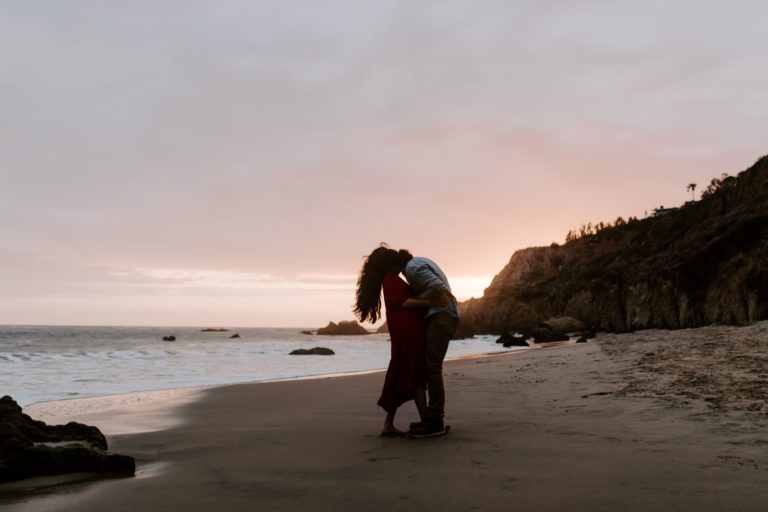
(232, 163)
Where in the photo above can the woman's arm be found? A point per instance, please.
(439, 301)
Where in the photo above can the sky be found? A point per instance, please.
(230, 162)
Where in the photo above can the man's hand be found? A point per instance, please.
(441, 300)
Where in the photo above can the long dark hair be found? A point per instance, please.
(375, 266)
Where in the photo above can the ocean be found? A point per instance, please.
(47, 363)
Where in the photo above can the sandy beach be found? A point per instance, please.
(655, 420)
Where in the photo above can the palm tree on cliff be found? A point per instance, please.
(692, 187)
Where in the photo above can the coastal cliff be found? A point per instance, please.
(703, 263)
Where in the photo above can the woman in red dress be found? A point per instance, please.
(406, 375)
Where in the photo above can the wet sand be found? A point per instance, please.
(656, 420)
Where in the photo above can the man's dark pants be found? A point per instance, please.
(440, 329)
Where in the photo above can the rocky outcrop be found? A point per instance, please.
(512, 340)
(234, 336)
(351, 328)
(563, 324)
(169, 338)
(704, 263)
(545, 335)
(383, 329)
(30, 448)
(209, 329)
(315, 351)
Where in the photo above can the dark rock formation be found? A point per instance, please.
(25, 451)
(316, 351)
(308, 333)
(351, 328)
(383, 329)
(704, 263)
(169, 338)
(208, 329)
(234, 336)
(512, 340)
(563, 324)
(587, 335)
(547, 335)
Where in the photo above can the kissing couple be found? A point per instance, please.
(422, 316)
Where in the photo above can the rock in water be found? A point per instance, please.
(208, 329)
(234, 336)
(512, 340)
(351, 328)
(308, 333)
(25, 451)
(316, 351)
(169, 338)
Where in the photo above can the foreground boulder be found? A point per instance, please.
(316, 351)
(30, 448)
(351, 328)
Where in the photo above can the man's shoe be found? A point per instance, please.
(427, 430)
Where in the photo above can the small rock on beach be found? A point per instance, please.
(315, 351)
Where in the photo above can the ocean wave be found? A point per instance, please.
(39, 365)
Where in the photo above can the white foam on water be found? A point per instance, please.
(43, 364)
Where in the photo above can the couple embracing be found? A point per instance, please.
(422, 316)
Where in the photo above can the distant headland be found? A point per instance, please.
(703, 263)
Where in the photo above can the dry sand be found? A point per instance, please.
(652, 421)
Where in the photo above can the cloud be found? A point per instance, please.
(279, 139)
(47, 289)
(46, 274)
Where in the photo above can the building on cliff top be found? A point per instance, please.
(658, 212)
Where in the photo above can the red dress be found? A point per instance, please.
(407, 362)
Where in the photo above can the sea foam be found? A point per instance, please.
(41, 364)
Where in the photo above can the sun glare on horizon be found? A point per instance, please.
(467, 287)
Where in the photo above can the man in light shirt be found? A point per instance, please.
(428, 281)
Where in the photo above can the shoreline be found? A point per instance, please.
(153, 410)
(610, 425)
(60, 364)
(133, 414)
